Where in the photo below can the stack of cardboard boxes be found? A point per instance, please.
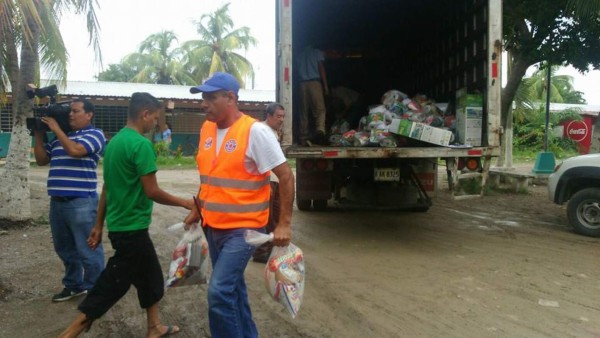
(469, 118)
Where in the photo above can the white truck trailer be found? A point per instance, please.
(431, 47)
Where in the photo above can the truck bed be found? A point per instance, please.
(379, 152)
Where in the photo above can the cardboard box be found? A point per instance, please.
(471, 133)
(420, 131)
(436, 135)
(400, 127)
(470, 100)
(469, 118)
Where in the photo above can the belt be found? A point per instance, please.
(63, 198)
(315, 79)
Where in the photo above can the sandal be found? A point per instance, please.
(171, 330)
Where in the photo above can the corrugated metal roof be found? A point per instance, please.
(586, 109)
(125, 89)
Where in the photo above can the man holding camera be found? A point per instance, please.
(72, 181)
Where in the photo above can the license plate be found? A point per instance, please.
(387, 174)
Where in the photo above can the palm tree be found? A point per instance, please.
(216, 49)
(119, 72)
(157, 62)
(533, 89)
(561, 86)
(30, 39)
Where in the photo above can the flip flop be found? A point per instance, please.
(171, 330)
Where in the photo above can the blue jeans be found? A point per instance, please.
(229, 312)
(71, 223)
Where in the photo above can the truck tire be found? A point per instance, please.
(303, 205)
(583, 212)
(319, 205)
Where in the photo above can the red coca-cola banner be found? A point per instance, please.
(580, 132)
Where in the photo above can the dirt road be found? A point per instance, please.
(501, 266)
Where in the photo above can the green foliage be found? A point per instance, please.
(117, 73)
(529, 132)
(536, 31)
(172, 159)
(162, 149)
(470, 186)
(561, 87)
(182, 162)
(216, 51)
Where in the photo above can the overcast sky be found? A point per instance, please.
(124, 24)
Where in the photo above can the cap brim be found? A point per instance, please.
(204, 89)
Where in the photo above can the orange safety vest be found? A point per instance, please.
(230, 197)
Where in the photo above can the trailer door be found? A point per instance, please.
(283, 34)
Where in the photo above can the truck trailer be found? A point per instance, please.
(429, 47)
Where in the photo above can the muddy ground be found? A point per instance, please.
(505, 265)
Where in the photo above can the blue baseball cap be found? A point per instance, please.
(219, 81)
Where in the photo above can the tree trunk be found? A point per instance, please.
(15, 207)
(518, 69)
(508, 134)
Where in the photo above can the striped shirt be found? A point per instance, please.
(72, 176)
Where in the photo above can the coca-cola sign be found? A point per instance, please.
(577, 130)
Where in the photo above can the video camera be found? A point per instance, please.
(59, 111)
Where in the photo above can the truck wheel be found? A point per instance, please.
(303, 205)
(320, 205)
(583, 212)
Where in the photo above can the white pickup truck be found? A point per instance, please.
(577, 181)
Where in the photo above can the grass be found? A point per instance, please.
(182, 162)
(529, 156)
(189, 162)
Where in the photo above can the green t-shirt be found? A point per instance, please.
(128, 157)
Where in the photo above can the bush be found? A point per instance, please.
(529, 133)
(162, 149)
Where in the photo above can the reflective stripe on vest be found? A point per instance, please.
(230, 197)
(233, 183)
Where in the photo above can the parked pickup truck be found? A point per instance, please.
(576, 181)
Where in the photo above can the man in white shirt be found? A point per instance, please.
(274, 115)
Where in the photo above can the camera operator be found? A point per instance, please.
(72, 180)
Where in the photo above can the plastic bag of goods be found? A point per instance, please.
(339, 127)
(361, 139)
(388, 141)
(284, 272)
(392, 100)
(189, 261)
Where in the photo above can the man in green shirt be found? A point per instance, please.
(129, 190)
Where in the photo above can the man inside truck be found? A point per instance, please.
(347, 104)
(313, 86)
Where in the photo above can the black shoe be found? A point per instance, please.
(67, 294)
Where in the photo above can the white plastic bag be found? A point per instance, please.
(284, 271)
(189, 261)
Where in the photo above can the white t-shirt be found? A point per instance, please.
(264, 152)
(273, 176)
